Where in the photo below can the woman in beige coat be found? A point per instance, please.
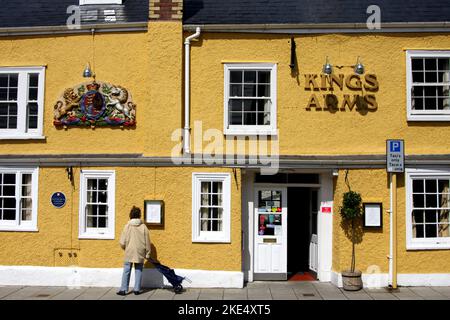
(135, 240)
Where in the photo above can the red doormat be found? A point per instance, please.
(302, 276)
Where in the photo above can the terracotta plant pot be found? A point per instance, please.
(352, 280)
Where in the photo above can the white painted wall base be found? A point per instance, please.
(111, 277)
(379, 280)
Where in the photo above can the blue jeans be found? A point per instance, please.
(127, 266)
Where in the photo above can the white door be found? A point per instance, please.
(313, 244)
(270, 234)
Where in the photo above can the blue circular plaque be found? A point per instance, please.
(58, 199)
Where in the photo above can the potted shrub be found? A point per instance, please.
(351, 211)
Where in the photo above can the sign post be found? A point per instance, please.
(395, 163)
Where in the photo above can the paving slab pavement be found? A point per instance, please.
(259, 290)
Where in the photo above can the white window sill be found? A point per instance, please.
(96, 236)
(250, 132)
(18, 229)
(430, 117)
(211, 241)
(22, 137)
(429, 246)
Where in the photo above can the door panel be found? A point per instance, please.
(270, 232)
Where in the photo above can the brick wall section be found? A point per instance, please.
(166, 9)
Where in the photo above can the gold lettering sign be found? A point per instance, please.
(360, 99)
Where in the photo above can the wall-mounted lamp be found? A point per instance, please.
(293, 49)
(69, 171)
(87, 73)
(335, 173)
(359, 67)
(327, 68)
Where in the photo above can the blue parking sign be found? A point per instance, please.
(395, 156)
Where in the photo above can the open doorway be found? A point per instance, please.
(302, 233)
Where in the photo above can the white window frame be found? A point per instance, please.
(97, 233)
(18, 224)
(251, 129)
(22, 132)
(422, 243)
(87, 2)
(422, 115)
(211, 236)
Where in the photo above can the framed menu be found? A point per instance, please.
(373, 217)
(154, 212)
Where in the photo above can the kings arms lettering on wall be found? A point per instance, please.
(363, 87)
(95, 104)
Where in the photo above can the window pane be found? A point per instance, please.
(12, 94)
(430, 216)
(32, 118)
(33, 79)
(102, 222)
(431, 201)
(264, 77)
(250, 118)
(263, 90)
(32, 94)
(250, 105)
(250, 76)
(430, 186)
(443, 216)
(417, 63)
(9, 215)
(102, 197)
(418, 186)
(236, 76)
(236, 105)
(91, 222)
(4, 80)
(418, 201)
(205, 200)
(206, 187)
(204, 225)
(430, 76)
(418, 216)
(418, 231)
(9, 191)
(26, 203)
(3, 94)
(91, 196)
(102, 184)
(430, 231)
(92, 184)
(418, 77)
(236, 90)
(444, 200)
(13, 80)
(26, 191)
(9, 178)
(217, 187)
(430, 64)
(26, 215)
(9, 203)
(443, 231)
(102, 210)
(249, 90)
(418, 91)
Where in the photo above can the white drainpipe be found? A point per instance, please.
(391, 234)
(187, 129)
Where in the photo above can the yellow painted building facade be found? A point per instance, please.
(313, 141)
